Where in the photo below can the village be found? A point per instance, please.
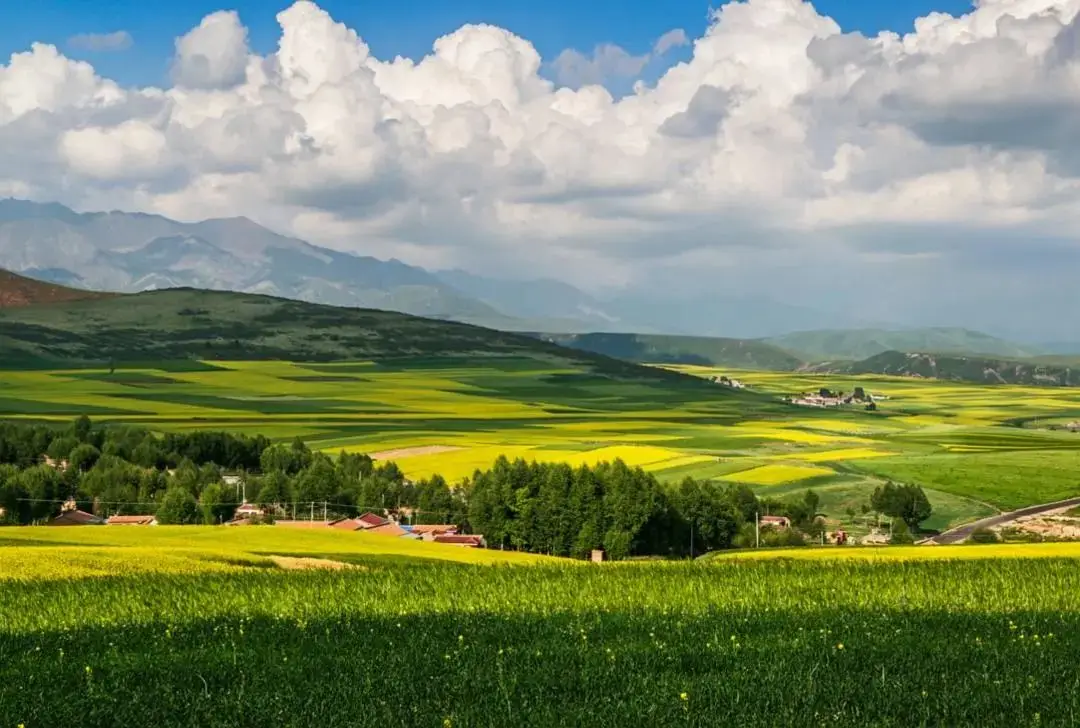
(248, 514)
(827, 398)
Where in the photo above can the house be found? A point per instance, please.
(249, 510)
(454, 539)
(388, 529)
(349, 524)
(370, 520)
(131, 521)
(56, 464)
(597, 556)
(433, 529)
(303, 524)
(775, 521)
(75, 517)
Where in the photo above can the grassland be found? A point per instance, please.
(976, 449)
(158, 627)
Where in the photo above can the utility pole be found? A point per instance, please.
(312, 518)
(691, 539)
(757, 530)
(324, 510)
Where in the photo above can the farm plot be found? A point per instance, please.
(243, 641)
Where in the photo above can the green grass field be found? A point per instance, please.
(188, 626)
(975, 448)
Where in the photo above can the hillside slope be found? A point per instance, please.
(983, 370)
(855, 344)
(181, 324)
(17, 291)
(704, 351)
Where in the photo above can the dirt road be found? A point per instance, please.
(960, 533)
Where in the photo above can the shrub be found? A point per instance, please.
(984, 535)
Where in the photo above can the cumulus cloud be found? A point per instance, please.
(119, 40)
(213, 55)
(785, 154)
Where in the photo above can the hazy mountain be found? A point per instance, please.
(130, 252)
(560, 305)
(700, 350)
(855, 344)
(720, 315)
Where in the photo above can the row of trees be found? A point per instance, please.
(81, 444)
(537, 507)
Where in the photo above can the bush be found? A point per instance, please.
(984, 535)
(901, 534)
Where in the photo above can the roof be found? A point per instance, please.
(387, 529)
(249, 508)
(349, 524)
(433, 528)
(774, 519)
(76, 518)
(370, 520)
(130, 520)
(460, 539)
(303, 524)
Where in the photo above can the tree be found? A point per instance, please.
(276, 490)
(217, 503)
(178, 507)
(83, 458)
(61, 448)
(906, 502)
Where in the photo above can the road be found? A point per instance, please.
(960, 533)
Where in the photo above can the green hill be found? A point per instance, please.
(855, 344)
(981, 370)
(179, 324)
(659, 349)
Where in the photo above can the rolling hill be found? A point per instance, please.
(189, 324)
(856, 344)
(18, 291)
(981, 370)
(705, 351)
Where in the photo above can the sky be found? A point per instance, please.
(914, 161)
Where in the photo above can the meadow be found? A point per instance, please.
(975, 449)
(158, 632)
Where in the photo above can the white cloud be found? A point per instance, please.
(782, 138)
(213, 55)
(119, 40)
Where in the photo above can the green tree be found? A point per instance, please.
(83, 458)
(906, 502)
(217, 503)
(901, 534)
(178, 507)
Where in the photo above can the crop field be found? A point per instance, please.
(158, 627)
(974, 448)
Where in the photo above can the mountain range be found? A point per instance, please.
(132, 252)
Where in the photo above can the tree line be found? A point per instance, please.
(549, 508)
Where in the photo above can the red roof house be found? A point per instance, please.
(370, 520)
(472, 541)
(387, 529)
(75, 517)
(132, 521)
(778, 521)
(435, 529)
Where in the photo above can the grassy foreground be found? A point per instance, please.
(862, 641)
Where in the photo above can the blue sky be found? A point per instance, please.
(402, 27)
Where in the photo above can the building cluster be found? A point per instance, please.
(826, 398)
(728, 382)
(249, 514)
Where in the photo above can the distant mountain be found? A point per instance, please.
(659, 349)
(130, 252)
(18, 291)
(547, 303)
(720, 315)
(974, 369)
(855, 344)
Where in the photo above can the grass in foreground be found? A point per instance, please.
(848, 641)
